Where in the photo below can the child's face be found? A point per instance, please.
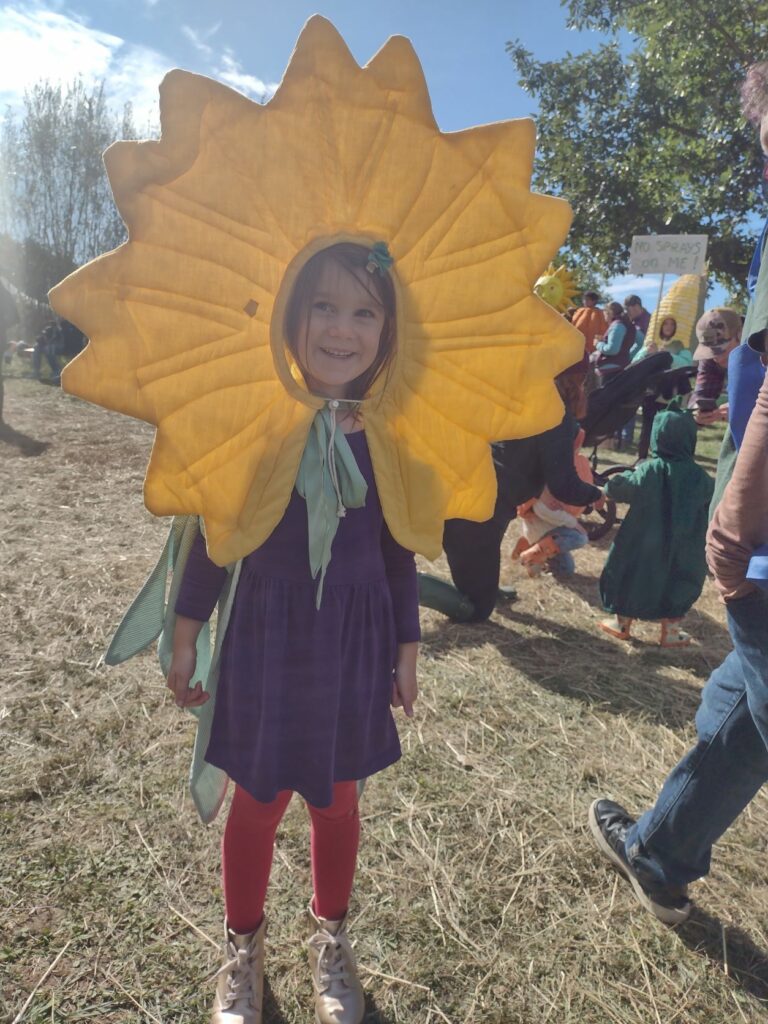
(339, 337)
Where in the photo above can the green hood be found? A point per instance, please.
(656, 566)
(673, 436)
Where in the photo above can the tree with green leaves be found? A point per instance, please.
(646, 136)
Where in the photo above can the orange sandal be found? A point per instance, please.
(618, 626)
(672, 635)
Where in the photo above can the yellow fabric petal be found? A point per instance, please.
(185, 319)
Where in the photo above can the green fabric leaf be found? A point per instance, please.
(327, 455)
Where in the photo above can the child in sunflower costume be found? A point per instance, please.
(325, 307)
(656, 566)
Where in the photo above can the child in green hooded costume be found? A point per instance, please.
(656, 566)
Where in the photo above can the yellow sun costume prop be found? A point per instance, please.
(557, 287)
(185, 320)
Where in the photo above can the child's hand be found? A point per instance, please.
(179, 675)
(405, 688)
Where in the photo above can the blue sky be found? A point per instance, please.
(247, 43)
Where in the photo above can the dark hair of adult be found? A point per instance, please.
(632, 300)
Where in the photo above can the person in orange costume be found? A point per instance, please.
(590, 320)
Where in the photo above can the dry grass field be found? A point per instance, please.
(480, 897)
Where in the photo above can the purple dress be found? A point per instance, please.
(304, 694)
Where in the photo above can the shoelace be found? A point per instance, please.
(615, 821)
(334, 958)
(239, 976)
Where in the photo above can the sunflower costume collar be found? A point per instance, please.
(185, 320)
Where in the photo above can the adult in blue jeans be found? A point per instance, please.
(670, 845)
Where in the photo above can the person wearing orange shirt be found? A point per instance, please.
(590, 320)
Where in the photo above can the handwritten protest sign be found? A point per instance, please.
(668, 254)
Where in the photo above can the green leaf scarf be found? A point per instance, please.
(330, 482)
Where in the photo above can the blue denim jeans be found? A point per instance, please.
(568, 540)
(626, 435)
(671, 844)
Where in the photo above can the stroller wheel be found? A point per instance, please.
(598, 522)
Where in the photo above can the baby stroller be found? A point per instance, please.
(645, 383)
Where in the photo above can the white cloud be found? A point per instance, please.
(230, 71)
(224, 66)
(37, 42)
(44, 39)
(135, 77)
(199, 38)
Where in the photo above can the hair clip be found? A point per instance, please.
(379, 258)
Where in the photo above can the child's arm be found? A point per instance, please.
(622, 488)
(405, 687)
(200, 585)
(400, 567)
(560, 475)
(183, 662)
(198, 594)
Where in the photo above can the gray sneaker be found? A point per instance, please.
(609, 822)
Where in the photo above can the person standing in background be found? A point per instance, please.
(718, 332)
(670, 845)
(590, 320)
(637, 313)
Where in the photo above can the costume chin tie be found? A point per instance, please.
(330, 482)
(340, 508)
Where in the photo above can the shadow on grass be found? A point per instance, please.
(26, 445)
(373, 1014)
(274, 1015)
(272, 1012)
(582, 665)
(730, 949)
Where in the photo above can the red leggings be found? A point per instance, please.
(246, 854)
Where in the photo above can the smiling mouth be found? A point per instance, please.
(336, 353)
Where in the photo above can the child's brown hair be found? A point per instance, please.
(352, 258)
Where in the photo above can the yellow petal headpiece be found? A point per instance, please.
(185, 319)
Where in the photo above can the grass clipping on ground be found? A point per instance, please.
(479, 895)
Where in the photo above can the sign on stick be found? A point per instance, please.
(668, 254)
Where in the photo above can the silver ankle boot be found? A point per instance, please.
(339, 995)
(240, 981)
